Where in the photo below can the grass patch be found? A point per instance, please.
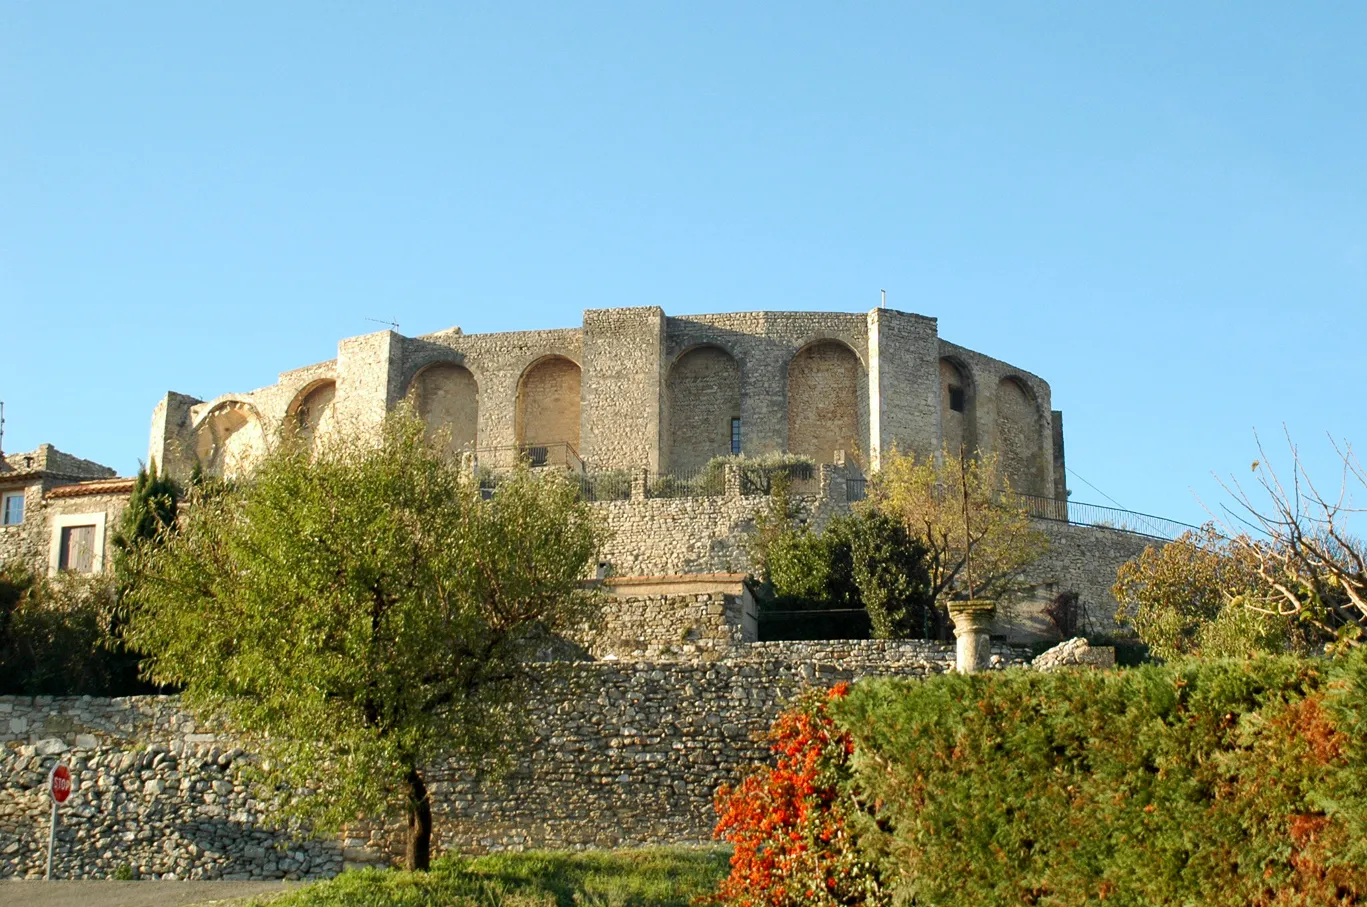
(654, 877)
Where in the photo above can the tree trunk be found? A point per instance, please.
(419, 855)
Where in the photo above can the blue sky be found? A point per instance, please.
(1162, 210)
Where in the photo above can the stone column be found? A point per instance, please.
(731, 485)
(640, 481)
(973, 644)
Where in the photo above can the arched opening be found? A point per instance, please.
(548, 403)
(446, 396)
(1019, 438)
(311, 413)
(229, 441)
(823, 401)
(957, 409)
(702, 403)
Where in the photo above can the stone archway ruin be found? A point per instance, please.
(823, 401)
(446, 397)
(548, 403)
(958, 409)
(1019, 437)
(702, 408)
(230, 439)
(311, 414)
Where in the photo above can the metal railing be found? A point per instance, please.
(552, 454)
(803, 478)
(1081, 514)
(686, 483)
(604, 486)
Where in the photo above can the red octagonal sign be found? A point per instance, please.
(59, 783)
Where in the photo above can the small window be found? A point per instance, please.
(14, 508)
(78, 549)
(956, 398)
(735, 435)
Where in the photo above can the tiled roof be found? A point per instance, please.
(94, 486)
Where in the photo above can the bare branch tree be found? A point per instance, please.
(1314, 568)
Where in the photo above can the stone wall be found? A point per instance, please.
(672, 617)
(618, 753)
(1027, 425)
(813, 382)
(1082, 559)
(702, 397)
(706, 534)
(155, 793)
(622, 368)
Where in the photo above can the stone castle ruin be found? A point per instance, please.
(666, 696)
(633, 388)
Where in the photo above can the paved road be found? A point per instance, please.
(128, 894)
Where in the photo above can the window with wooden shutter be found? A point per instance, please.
(78, 549)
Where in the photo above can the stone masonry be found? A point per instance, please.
(632, 388)
(616, 753)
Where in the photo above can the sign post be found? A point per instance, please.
(58, 788)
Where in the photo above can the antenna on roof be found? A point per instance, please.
(2, 426)
(884, 303)
(393, 324)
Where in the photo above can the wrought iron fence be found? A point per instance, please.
(758, 479)
(553, 454)
(1081, 514)
(614, 485)
(687, 483)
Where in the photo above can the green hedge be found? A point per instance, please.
(1218, 783)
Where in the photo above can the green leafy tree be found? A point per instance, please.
(890, 568)
(150, 514)
(928, 497)
(1197, 596)
(147, 519)
(361, 613)
(53, 634)
(865, 560)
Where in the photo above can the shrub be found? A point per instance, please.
(1191, 596)
(1220, 783)
(54, 636)
(867, 560)
(790, 823)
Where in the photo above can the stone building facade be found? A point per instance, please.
(58, 512)
(633, 388)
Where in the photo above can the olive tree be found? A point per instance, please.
(977, 535)
(360, 613)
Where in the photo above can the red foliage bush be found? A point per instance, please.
(791, 823)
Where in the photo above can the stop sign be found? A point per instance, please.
(59, 783)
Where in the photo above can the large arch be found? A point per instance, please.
(446, 396)
(702, 406)
(823, 401)
(1020, 437)
(958, 409)
(548, 395)
(311, 413)
(229, 440)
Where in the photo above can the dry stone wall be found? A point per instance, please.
(617, 753)
(154, 794)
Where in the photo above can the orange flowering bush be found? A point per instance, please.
(791, 823)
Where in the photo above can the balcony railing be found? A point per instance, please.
(552, 454)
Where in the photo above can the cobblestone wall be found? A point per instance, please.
(618, 753)
(154, 794)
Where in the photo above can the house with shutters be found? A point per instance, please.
(58, 511)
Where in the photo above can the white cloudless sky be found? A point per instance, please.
(1159, 208)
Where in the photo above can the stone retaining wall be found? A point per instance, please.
(620, 753)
